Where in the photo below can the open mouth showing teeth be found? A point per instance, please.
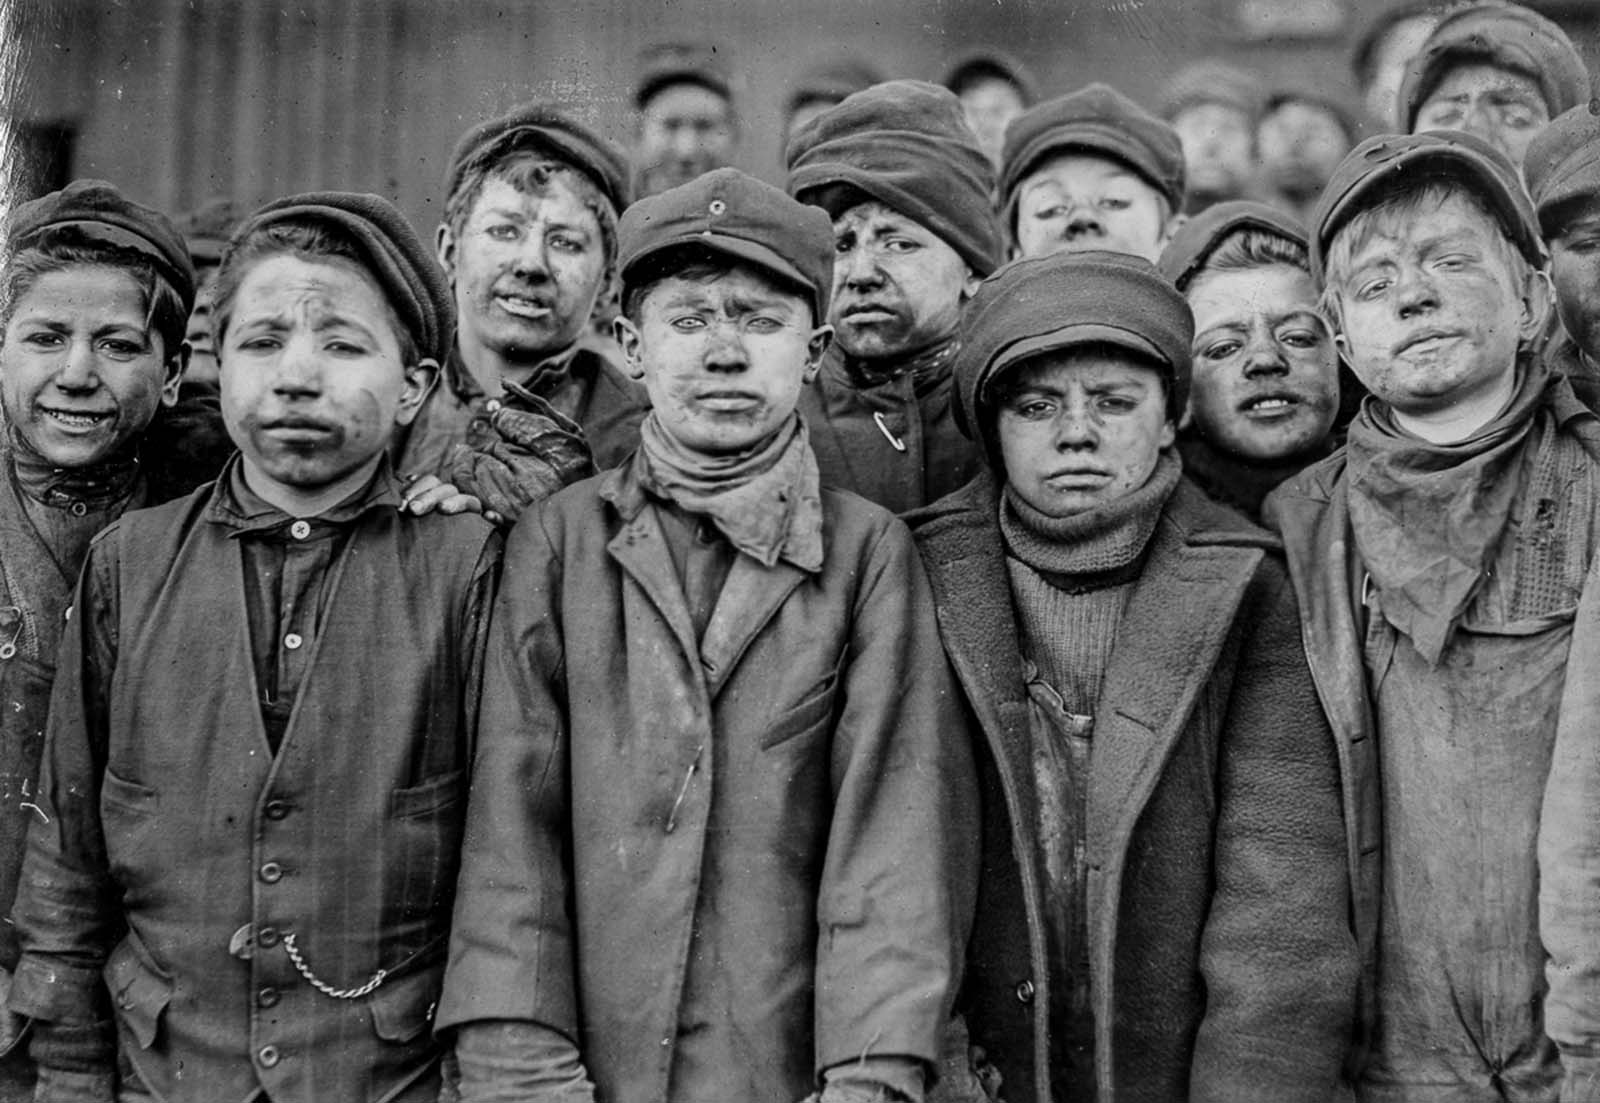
(526, 308)
(1268, 405)
(75, 420)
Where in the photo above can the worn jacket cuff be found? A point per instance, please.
(56, 992)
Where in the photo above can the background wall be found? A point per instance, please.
(180, 100)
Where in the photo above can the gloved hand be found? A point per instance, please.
(537, 452)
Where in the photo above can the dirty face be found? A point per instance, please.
(1078, 201)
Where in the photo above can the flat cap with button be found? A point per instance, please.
(729, 212)
(1379, 163)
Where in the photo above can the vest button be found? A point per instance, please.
(268, 1056)
(268, 937)
(1025, 991)
(277, 809)
(271, 872)
(268, 997)
(300, 530)
(293, 641)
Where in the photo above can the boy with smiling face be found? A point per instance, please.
(1443, 563)
(722, 839)
(255, 769)
(900, 173)
(1091, 170)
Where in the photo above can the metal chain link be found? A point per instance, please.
(322, 986)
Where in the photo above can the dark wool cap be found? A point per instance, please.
(404, 267)
(831, 81)
(985, 63)
(1563, 163)
(1450, 155)
(727, 211)
(1060, 301)
(1186, 254)
(907, 145)
(1095, 119)
(1507, 35)
(547, 128)
(1213, 81)
(98, 211)
(670, 63)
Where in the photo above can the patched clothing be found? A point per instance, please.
(206, 880)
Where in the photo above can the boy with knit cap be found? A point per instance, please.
(1091, 170)
(1563, 175)
(1443, 564)
(1163, 914)
(528, 243)
(1498, 71)
(722, 840)
(256, 763)
(897, 170)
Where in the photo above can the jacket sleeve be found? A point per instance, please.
(1278, 952)
(66, 912)
(511, 945)
(1569, 862)
(898, 885)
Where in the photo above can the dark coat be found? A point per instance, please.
(176, 854)
(1222, 963)
(720, 864)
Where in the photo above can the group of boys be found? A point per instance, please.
(714, 780)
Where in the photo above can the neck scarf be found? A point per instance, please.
(767, 501)
(927, 368)
(1428, 518)
(1098, 547)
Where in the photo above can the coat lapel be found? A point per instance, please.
(749, 598)
(640, 549)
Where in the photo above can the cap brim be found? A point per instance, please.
(1071, 336)
(751, 252)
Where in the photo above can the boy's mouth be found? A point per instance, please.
(75, 420)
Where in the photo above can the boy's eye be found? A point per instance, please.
(1301, 339)
(501, 231)
(1221, 350)
(259, 344)
(123, 349)
(1033, 409)
(1372, 289)
(765, 325)
(347, 348)
(43, 340)
(901, 245)
(1116, 403)
(1055, 210)
(688, 323)
(1115, 203)
(566, 244)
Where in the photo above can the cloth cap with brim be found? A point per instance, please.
(391, 251)
(1563, 162)
(672, 63)
(1062, 301)
(545, 128)
(1095, 119)
(1213, 81)
(95, 210)
(1507, 35)
(1191, 247)
(984, 63)
(729, 212)
(831, 81)
(905, 144)
(1378, 164)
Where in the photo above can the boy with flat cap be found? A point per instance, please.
(722, 838)
(256, 764)
(1163, 914)
(687, 123)
(1498, 71)
(1442, 560)
(898, 171)
(528, 243)
(1091, 170)
(1563, 175)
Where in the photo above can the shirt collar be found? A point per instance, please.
(236, 507)
(465, 385)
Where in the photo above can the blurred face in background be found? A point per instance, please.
(685, 131)
(1393, 53)
(1503, 107)
(990, 103)
(1301, 143)
(1219, 148)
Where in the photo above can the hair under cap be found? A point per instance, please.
(1563, 162)
(729, 212)
(1191, 247)
(404, 268)
(1062, 301)
(906, 144)
(547, 128)
(1453, 156)
(1508, 35)
(98, 211)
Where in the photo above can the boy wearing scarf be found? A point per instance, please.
(722, 841)
(1442, 562)
(246, 831)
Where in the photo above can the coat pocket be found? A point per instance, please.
(403, 1009)
(139, 989)
(431, 796)
(127, 796)
(804, 716)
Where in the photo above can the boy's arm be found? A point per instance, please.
(1278, 953)
(66, 912)
(511, 961)
(899, 882)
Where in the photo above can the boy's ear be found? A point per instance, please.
(970, 287)
(172, 374)
(444, 247)
(628, 340)
(1536, 302)
(421, 378)
(1174, 224)
(816, 348)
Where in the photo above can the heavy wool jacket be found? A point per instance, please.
(1222, 963)
(719, 865)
